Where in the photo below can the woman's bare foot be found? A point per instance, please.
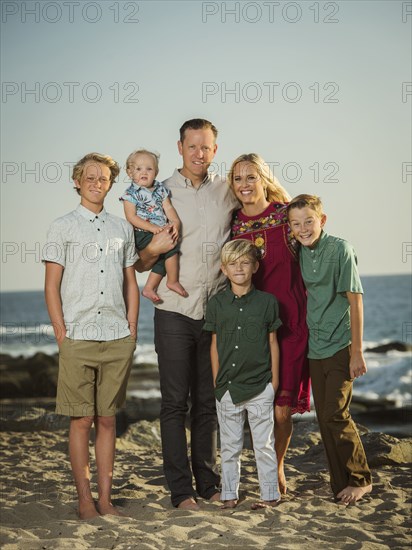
(229, 504)
(150, 293)
(350, 495)
(177, 287)
(265, 504)
(282, 481)
(87, 510)
(215, 498)
(108, 509)
(188, 504)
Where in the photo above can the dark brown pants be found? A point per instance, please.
(332, 393)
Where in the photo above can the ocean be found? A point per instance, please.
(25, 330)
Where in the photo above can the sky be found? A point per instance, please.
(321, 90)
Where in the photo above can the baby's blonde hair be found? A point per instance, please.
(233, 250)
(311, 201)
(155, 156)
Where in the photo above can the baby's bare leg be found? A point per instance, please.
(149, 290)
(172, 270)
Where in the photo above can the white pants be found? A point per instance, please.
(231, 424)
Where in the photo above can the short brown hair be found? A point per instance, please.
(197, 124)
(311, 201)
(95, 157)
(233, 250)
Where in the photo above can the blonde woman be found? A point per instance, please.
(263, 220)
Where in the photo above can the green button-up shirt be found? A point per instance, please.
(242, 325)
(329, 270)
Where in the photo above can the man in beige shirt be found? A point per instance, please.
(205, 205)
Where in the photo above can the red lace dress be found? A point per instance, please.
(279, 274)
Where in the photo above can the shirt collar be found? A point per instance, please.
(91, 216)
(139, 187)
(186, 182)
(231, 297)
(320, 245)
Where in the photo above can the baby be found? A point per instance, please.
(148, 208)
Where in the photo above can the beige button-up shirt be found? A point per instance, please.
(94, 250)
(206, 215)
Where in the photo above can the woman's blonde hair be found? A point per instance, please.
(274, 192)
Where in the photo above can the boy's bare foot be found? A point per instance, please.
(265, 504)
(350, 495)
(215, 498)
(87, 510)
(229, 504)
(151, 295)
(109, 510)
(282, 481)
(177, 287)
(188, 504)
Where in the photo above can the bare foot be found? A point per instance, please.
(350, 495)
(265, 504)
(87, 510)
(109, 510)
(188, 504)
(282, 481)
(215, 498)
(177, 287)
(151, 295)
(229, 504)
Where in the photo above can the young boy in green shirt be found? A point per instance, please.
(335, 320)
(245, 365)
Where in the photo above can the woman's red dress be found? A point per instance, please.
(279, 274)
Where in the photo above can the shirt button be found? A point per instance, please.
(240, 309)
(98, 230)
(236, 347)
(101, 292)
(314, 261)
(230, 381)
(233, 364)
(101, 250)
(101, 271)
(239, 328)
(98, 312)
(314, 271)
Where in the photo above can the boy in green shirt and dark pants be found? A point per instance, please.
(335, 321)
(245, 365)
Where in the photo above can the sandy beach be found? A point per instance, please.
(39, 508)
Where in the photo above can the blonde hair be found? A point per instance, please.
(155, 156)
(233, 250)
(311, 201)
(95, 157)
(274, 191)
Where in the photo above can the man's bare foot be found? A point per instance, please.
(151, 295)
(229, 504)
(177, 287)
(87, 510)
(265, 504)
(188, 504)
(215, 497)
(350, 495)
(282, 481)
(107, 509)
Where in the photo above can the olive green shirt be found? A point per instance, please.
(242, 325)
(329, 270)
